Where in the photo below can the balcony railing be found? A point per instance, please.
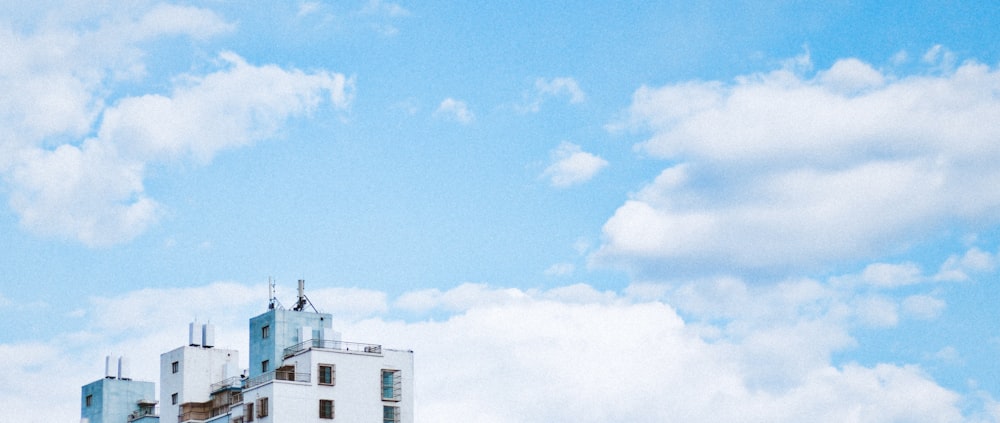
(326, 344)
(276, 375)
(232, 382)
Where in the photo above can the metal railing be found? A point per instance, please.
(232, 382)
(326, 344)
(276, 375)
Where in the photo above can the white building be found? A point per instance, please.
(187, 373)
(300, 371)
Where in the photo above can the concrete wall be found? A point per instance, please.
(112, 400)
(357, 393)
(283, 332)
(198, 369)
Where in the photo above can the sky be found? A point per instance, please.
(587, 212)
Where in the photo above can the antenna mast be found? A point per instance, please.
(272, 300)
(303, 299)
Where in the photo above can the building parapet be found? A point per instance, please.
(276, 375)
(326, 344)
(227, 383)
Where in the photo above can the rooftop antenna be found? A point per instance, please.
(272, 300)
(303, 299)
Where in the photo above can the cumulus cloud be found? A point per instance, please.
(73, 175)
(484, 357)
(786, 170)
(572, 166)
(545, 89)
(959, 268)
(455, 110)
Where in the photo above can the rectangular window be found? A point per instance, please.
(327, 374)
(326, 409)
(248, 412)
(173, 398)
(392, 384)
(390, 414)
(89, 401)
(264, 365)
(262, 407)
(265, 332)
(175, 367)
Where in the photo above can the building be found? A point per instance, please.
(188, 372)
(118, 398)
(299, 371)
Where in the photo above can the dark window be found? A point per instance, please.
(265, 332)
(248, 412)
(391, 385)
(173, 398)
(262, 407)
(326, 409)
(175, 367)
(390, 414)
(89, 401)
(327, 375)
(264, 365)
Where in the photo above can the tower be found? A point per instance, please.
(117, 398)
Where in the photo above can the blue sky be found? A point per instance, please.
(791, 206)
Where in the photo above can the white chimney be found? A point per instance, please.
(109, 368)
(124, 370)
(194, 338)
(208, 335)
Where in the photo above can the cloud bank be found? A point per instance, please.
(572, 353)
(791, 170)
(75, 156)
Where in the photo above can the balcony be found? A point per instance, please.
(326, 344)
(228, 383)
(289, 376)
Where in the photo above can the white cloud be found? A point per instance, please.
(572, 166)
(781, 170)
(74, 176)
(549, 88)
(878, 311)
(558, 269)
(502, 349)
(454, 110)
(923, 307)
(892, 275)
(958, 268)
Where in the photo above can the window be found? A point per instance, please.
(248, 412)
(89, 401)
(265, 332)
(173, 398)
(391, 385)
(326, 409)
(390, 414)
(174, 367)
(262, 407)
(264, 366)
(327, 374)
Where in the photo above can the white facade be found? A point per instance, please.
(187, 374)
(354, 386)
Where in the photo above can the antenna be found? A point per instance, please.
(272, 300)
(303, 299)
